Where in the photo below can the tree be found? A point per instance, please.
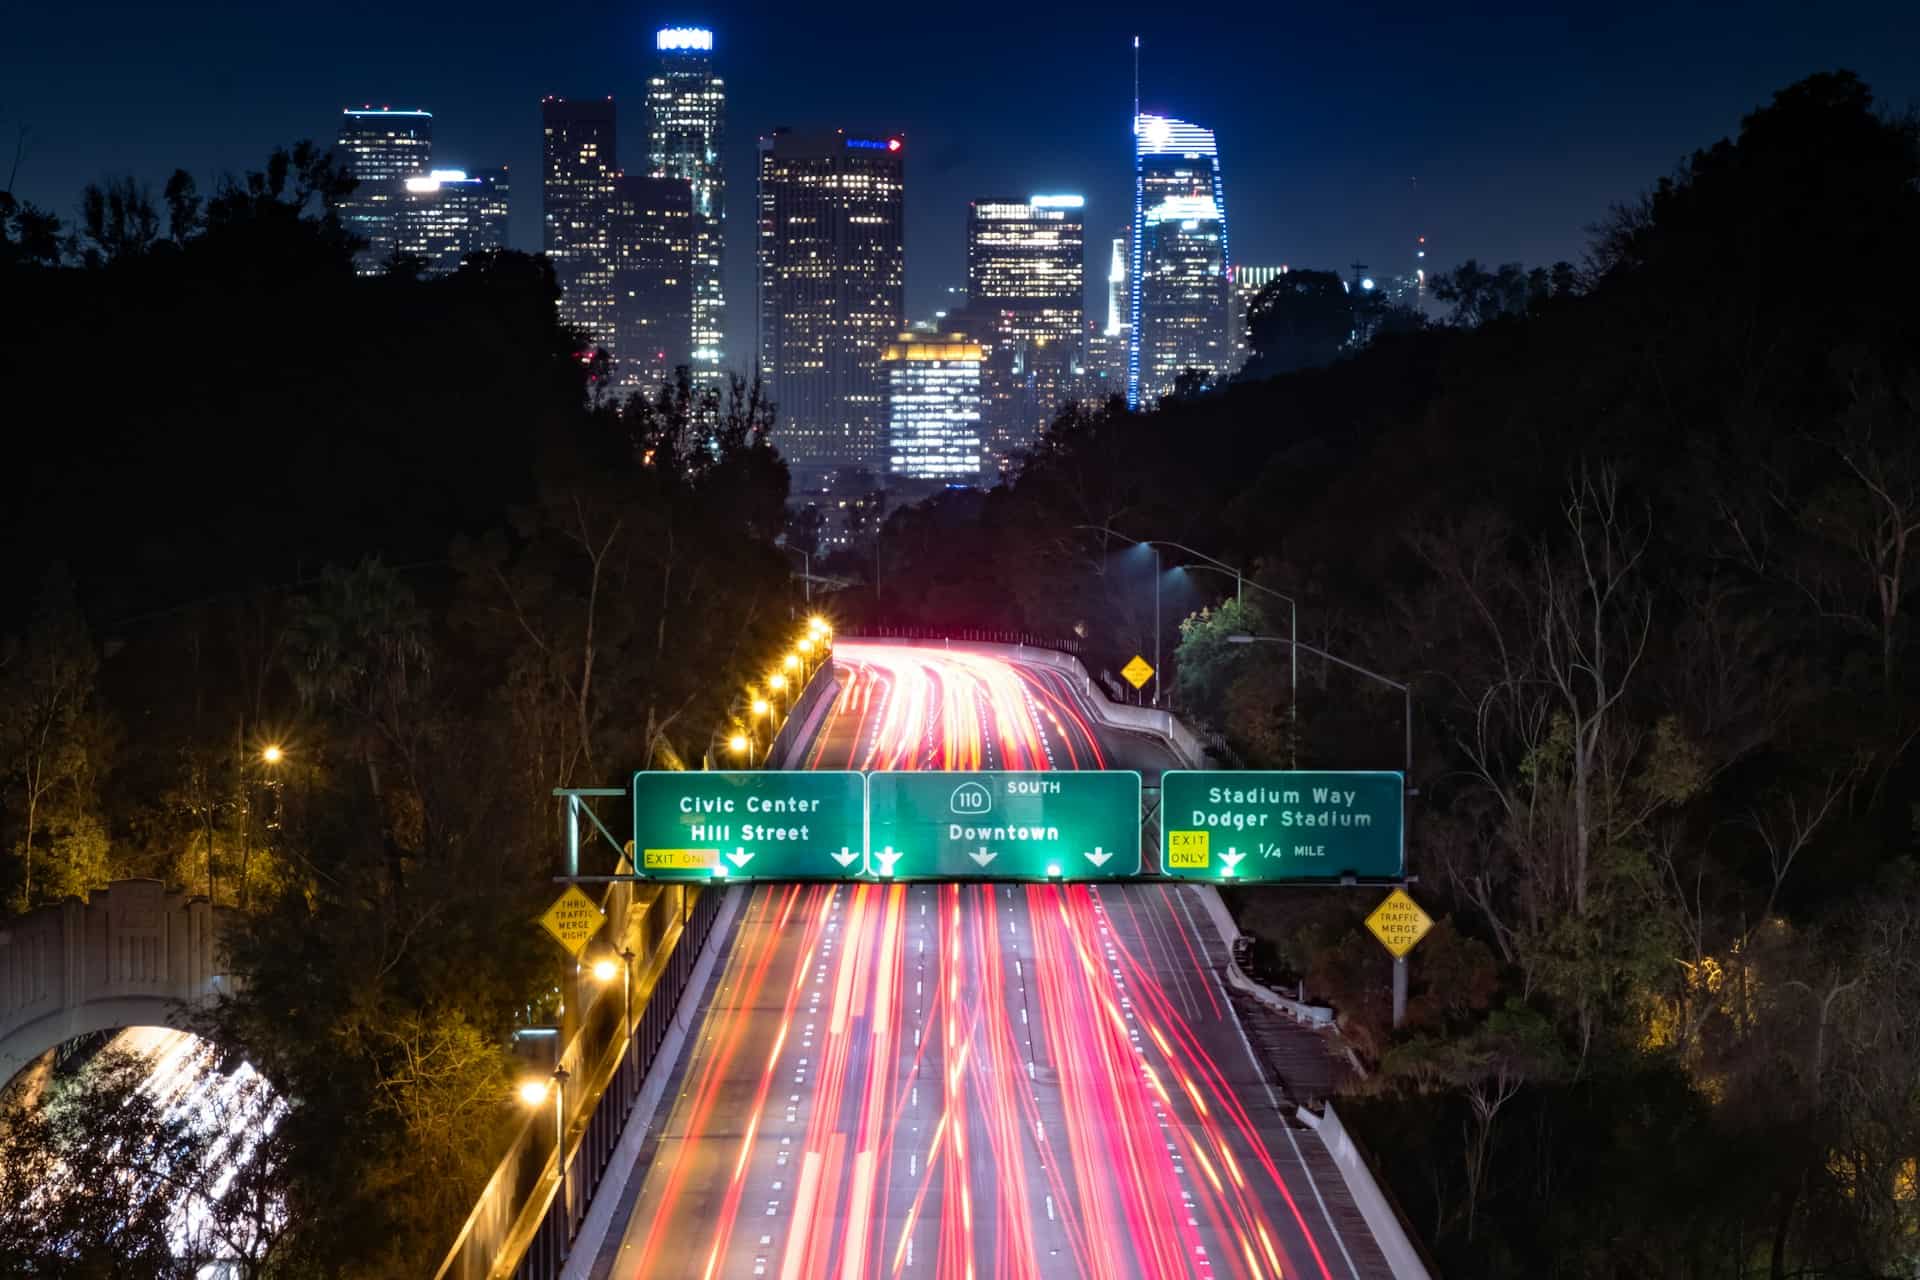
(1207, 662)
(358, 649)
(1301, 320)
(105, 1176)
(117, 221)
(52, 739)
(29, 236)
(1515, 1046)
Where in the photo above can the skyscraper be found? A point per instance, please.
(446, 214)
(1180, 269)
(652, 233)
(576, 206)
(832, 278)
(1026, 274)
(382, 147)
(687, 113)
(933, 408)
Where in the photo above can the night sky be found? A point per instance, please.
(1520, 129)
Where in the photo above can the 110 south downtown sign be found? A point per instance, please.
(1216, 825)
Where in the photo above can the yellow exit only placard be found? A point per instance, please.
(679, 859)
(1188, 849)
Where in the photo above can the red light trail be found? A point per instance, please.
(959, 1081)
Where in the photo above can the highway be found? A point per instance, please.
(973, 1080)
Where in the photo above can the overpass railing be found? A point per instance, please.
(969, 635)
(526, 1218)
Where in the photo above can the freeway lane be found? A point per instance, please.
(971, 1080)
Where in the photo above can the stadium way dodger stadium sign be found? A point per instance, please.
(1259, 825)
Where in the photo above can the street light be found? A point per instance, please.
(1406, 694)
(1239, 592)
(603, 971)
(273, 754)
(739, 744)
(534, 1093)
(760, 706)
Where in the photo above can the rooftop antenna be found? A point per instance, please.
(1136, 82)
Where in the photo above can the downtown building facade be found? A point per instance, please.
(578, 168)
(382, 148)
(933, 409)
(1026, 282)
(686, 112)
(446, 214)
(831, 295)
(1181, 268)
(653, 237)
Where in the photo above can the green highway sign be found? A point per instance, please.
(1281, 825)
(749, 824)
(1071, 825)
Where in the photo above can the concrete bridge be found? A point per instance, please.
(131, 955)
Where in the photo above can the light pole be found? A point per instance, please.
(535, 1093)
(1406, 777)
(1240, 585)
(1406, 693)
(1100, 528)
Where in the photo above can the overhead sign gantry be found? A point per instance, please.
(1221, 826)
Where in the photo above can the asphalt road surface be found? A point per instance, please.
(973, 1080)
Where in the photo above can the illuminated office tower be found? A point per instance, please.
(933, 408)
(652, 229)
(381, 147)
(576, 209)
(1180, 264)
(1026, 273)
(1247, 283)
(446, 214)
(686, 106)
(832, 276)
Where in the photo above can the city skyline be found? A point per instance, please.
(1515, 168)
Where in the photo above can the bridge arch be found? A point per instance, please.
(130, 955)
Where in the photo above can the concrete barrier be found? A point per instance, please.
(1389, 1233)
(1317, 1016)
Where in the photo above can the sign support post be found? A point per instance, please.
(1399, 991)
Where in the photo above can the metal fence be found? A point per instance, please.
(974, 635)
(525, 1220)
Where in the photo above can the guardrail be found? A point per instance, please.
(526, 1218)
(970, 635)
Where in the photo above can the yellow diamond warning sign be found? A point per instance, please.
(1137, 672)
(573, 920)
(1399, 923)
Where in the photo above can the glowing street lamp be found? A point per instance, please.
(792, 662)
(805, 645)
(534, 1093)
(760, 706)
(273, 754)
(603, 973)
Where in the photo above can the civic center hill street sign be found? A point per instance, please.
(749, 823)
(1254, 825)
